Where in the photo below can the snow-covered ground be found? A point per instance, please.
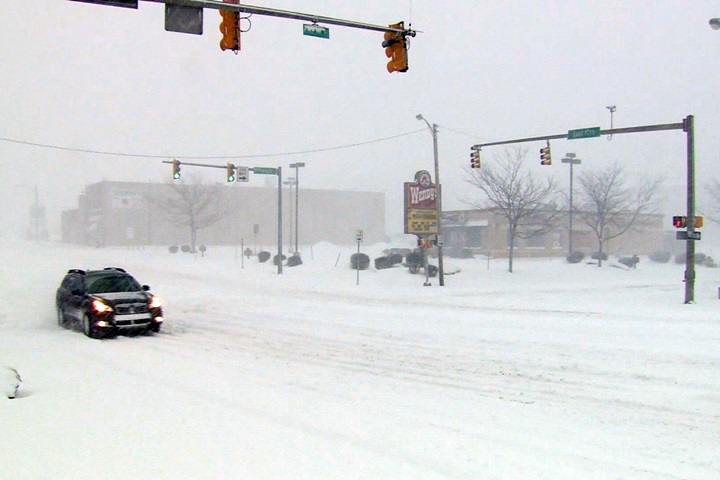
(555, 371)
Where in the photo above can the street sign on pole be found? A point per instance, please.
(243, 174)
(314, 30)
(265, 170)
(583, 133)
(358, 239)
(684, 235)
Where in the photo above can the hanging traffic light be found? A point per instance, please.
(545, 156)
(176, 169)
(230, 172)
(230, 28)
(475, 159)
(395, 45)
(680, 221)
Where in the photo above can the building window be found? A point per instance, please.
(536, 241)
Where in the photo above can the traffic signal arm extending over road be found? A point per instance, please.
(192, 12)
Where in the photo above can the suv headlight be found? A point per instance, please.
(155, 302)
(100, 307)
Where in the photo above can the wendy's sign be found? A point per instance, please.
(421, 198)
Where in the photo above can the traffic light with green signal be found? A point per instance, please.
(230, 172)
(176, 169)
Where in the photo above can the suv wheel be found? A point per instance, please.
(62, 321)
(88, 327)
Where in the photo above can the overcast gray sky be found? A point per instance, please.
(89, 77)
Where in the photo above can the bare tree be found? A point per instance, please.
(192, 204)
(527, 204)
(713, 190)
(610, 207)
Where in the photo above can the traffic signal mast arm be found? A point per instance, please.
(273, 12)
(612, 131)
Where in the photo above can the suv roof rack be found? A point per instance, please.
(76, 270)
(115, 268)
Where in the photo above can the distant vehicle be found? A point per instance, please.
(107, 302)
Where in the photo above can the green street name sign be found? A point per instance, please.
(583, 133)
(313, 30)
(265, 170)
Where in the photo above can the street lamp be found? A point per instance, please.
(433, 131)
(570, 158)
(296, 166)
(290, 181)
(714, 23)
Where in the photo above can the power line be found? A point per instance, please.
(208, 157)
(465, 134)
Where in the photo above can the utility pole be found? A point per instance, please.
(689, 128)
(280, 240)
(290, 182)
(296, 166)
(570, 158)
(434, 131)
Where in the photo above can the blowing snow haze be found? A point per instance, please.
(91, 93)
(558, 370)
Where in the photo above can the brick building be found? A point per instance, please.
(130, 214)
(486, 231)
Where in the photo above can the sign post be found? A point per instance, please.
(358, 239)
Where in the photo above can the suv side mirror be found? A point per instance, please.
(146, 288)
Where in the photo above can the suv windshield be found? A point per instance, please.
(112, 283)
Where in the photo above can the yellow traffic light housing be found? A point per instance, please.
(230, 29)
(230, 172)
(176, 169)
(699, 221)
(545, 155)
(395, 44)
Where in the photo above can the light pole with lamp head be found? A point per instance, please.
(296, 166)
(290, 182)
(714, 23)
(433, 130)
(570, 158)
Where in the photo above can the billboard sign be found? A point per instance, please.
(421, 197)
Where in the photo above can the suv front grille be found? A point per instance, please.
(131, 308)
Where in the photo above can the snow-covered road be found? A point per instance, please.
(555, 371)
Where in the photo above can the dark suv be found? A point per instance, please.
(106, 302)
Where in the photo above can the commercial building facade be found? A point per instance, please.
(486, 232)
(135, 214)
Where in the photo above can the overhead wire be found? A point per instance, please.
(209, 157)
